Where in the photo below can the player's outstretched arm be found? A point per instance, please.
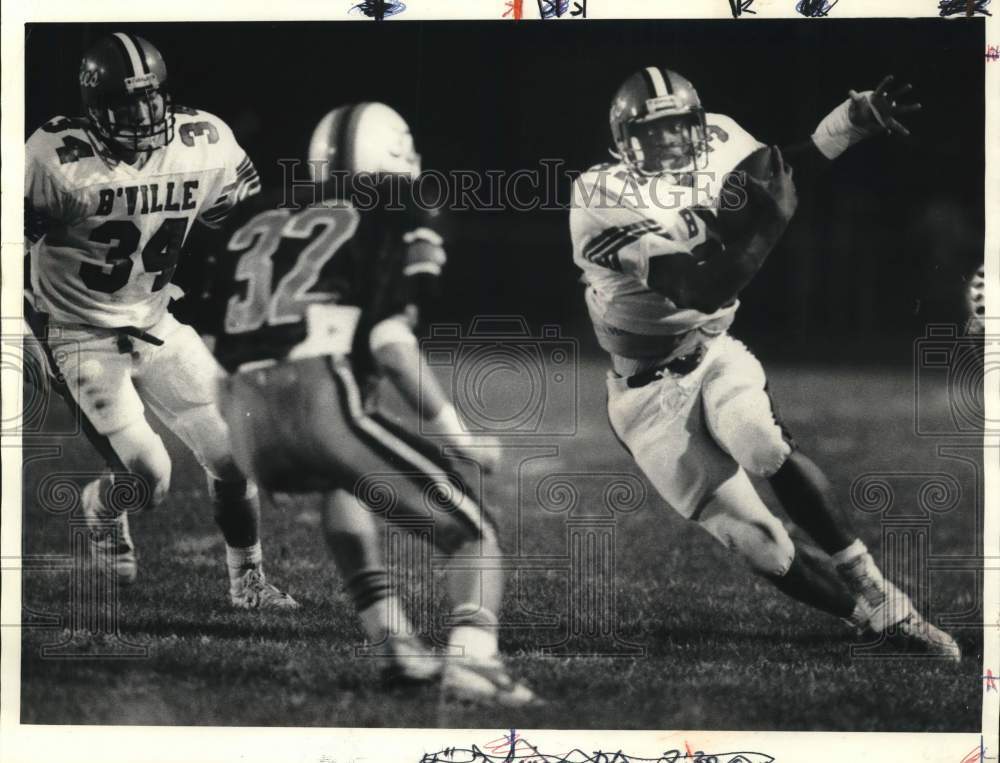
(864, 115)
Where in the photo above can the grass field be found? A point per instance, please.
(721, 649)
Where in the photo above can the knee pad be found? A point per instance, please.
(762, 541)
(746, 427)
(143, 453)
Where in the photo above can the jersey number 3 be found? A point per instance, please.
(258, 240)
(159, 255)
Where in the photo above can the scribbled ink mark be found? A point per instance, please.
(739, 7)
(379, 9)
(993, 52)
(515, 9)
(816, 8)
(990, 680)
(506, 743)
(963, 7)
(531, 753)
(548, 9)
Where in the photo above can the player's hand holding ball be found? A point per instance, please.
(758, 197)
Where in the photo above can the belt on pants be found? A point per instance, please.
(681, 366)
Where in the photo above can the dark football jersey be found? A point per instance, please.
(284, 252)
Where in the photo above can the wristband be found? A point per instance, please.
(837, 133)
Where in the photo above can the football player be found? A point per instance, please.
(667, 236)
(317, 284)
(109, 199)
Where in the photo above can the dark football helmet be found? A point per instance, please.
(123, 82)
(658, 123)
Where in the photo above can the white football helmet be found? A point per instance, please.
(362, 138)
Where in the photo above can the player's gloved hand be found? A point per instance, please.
(876, 111)
(864, 114)
(482, 448)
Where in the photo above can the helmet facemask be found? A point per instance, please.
(664, 143)
(139, 122)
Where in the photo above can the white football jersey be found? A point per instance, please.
(104, 236)
(620, 221)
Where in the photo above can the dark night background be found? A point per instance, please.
(878, 249)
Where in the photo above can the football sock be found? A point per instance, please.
(807, 581)
(239, 560)
(380, 610)
(237, 511)
(479, 582)
(807, 496)
(858, 570)
(474, 631)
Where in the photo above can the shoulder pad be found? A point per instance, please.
(735, 134)
(59, 144)
(184, 115)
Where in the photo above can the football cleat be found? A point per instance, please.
(879, 600)
(914, 634)
(111, 545)
(889, 612)
(252, 591)
(484, 681)
(410, 663)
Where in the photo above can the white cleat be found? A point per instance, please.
(915, 634)
(484, 681)
(888, 611)
(111, 545)
(252, 591)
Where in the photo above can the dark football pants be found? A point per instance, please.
(300, 427)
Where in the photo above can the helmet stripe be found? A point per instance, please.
(346, 136)
(132, 54)
(660, 85)
(142, 52)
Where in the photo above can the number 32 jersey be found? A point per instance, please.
(296, 275)
(104, 236)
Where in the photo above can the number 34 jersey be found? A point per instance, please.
(104, 236)
(297, 275)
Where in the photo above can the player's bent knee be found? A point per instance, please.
(762, 541)
(143, 454)
(753, 438)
